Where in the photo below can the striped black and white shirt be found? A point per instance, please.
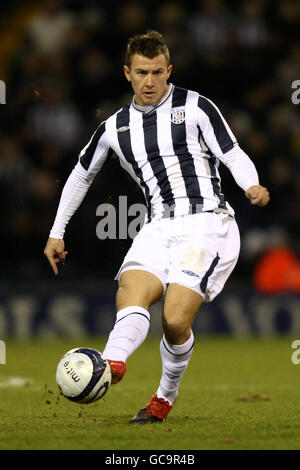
(171, 149)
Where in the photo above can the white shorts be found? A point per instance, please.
(198, 251)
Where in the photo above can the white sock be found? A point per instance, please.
(129, 332)
(175, 359)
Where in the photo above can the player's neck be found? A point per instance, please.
(147, 108)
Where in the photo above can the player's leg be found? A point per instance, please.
(212, 267)
(200, 266)
(138, 287)
(181, 305)
(176, 347)
(141, 279)
(138, 290)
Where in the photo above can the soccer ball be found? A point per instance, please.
(83, 375)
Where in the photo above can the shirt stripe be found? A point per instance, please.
(215, 180)
(90, 149)
(155, 159)
(187, 166)
(124, 139)
(218, 126)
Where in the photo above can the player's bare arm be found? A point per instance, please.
(258, 195)
(55, 252)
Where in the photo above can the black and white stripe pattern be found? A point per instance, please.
(124, 141)
(183, 355)
(172, 151)
(180, 145)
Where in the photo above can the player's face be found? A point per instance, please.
(148, 78)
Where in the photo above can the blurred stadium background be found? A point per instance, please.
(62, 62)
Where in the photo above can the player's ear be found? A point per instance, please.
(169, 70)
(126, 70)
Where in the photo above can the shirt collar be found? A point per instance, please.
(150, 108)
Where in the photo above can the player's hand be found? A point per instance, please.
(55, 252)
(258, 195)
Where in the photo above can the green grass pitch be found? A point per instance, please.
(236, 394)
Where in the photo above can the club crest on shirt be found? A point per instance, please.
(178, 115)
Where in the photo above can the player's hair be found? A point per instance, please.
(149, 45)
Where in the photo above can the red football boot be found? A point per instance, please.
(118, 369)
(156, 410)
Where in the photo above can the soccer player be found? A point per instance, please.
(171, 141)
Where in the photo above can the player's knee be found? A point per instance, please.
(177, 329)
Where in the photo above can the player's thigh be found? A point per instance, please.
(205, 257)
(181, 305)
(138, 287)
(148, 250)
